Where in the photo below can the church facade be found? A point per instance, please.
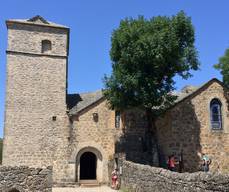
(77, 134)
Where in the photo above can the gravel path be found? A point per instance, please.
(84, 189)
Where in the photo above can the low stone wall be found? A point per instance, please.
(25, 179)
(143, 178)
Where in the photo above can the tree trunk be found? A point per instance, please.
(149, 118)
(151, 136)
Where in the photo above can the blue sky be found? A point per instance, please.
(92, 22)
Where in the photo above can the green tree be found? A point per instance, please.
(223, 66)
(146, 55)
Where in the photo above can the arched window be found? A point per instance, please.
(46, 46)
(216, 114)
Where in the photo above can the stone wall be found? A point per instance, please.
(143, 178)
(104, 140)
(185, 130)
(25, 179)
(87, 135)
(31, 36)
(134, 139)
(35, 106)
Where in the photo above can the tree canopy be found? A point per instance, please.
(223, 66)
(146, 54)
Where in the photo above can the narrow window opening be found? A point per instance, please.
(216, 114)
(46, 46)
(117, 119)
(95, 117)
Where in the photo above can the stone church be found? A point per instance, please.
(77, 134)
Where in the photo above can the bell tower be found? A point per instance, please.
(35, 109)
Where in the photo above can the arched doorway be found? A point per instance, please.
(83, 159)
(88, 165)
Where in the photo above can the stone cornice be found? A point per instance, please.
(8, 22)
(35, 54)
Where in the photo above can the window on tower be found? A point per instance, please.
(46, 46)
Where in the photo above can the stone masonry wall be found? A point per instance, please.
(27, 39)
(25, 179)
(186, 130)
(133, 141)
(85, 134)
(101, 132)
(103, 139)
(143, 178)
(35, 93)
(33, 98)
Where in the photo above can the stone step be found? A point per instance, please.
(102, 188)
(67, 184)
(89, 183)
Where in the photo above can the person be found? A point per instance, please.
(171, 163)
(206, 161)
(114, 179)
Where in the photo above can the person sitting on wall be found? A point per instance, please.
(114, 179)
(171, 163)
(206, 161)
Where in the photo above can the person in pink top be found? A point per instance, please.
(114, 179)
(171, 163)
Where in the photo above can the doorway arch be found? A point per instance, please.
(88, 166)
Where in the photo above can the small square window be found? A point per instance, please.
(54, 118)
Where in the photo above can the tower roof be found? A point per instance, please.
(36, 20)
